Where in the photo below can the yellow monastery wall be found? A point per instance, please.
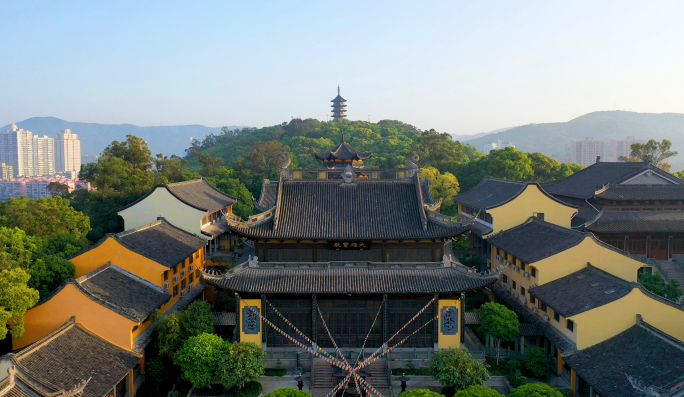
(577, 257)
(69, 302)
(595, 326)
(111, 251)
(163, 203)
(254, 338)
(531, 201)
(449, 341)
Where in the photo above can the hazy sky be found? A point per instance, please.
(457, 66)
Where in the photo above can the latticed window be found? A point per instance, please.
(297, 311)
(349, 320)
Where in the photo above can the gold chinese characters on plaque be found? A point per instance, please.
(349, 245)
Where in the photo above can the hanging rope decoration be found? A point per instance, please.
(321, 353)
(369, 332)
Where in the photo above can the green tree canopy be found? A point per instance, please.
(44, 217)
(242, 364)
(457, 369)
(167, 331)
(197, 319)
(535, 390)
(173, 169)
(199, 358)
(478, 391)
(500, 322)
(16, 297)
(420, 393)
(536, 362)
(133, 151)
(438, 149)
(442, 186)
(225, 180)
(656, 153)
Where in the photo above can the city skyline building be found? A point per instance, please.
(67, 152)
(16, 150)
(6, 171)
(43, 155)
(619, 148)
(584, 152)
(489, 146)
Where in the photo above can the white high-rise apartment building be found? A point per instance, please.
(16, 150)
(67, 152)
(489, 146)
(43, 155)
(621, 148)
(585, 152)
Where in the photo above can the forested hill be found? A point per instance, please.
(550, 138)
(253, 153)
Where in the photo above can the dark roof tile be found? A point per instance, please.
(641, 352)
(268, 197)
(197, 193)
(343, 152)
(71, 355)
(535, 240)
(343, 278)
(642, 192)
(491, 192)
(637, 222)
(581, 291)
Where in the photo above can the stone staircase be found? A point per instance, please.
(673, 271)
(323, 382)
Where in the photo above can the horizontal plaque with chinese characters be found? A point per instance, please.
(349, 245)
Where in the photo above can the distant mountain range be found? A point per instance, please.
(550, 138)
(468, 137)
(95, 137)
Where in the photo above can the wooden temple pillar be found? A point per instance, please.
(314, 318)
(462, 328)
(385, 313)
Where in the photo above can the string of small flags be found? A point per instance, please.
(369, 332)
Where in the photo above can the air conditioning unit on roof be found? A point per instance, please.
(545, 317)
(499, 258)
(508, 263)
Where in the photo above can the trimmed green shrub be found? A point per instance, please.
(478, 391)
(535, 390)
(456, 369)
(288, 392)
(420, 393)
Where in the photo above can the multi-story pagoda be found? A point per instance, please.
(339, 106)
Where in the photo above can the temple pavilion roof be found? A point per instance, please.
(362, 209)
(350, 277)
(637, 222)
(71, 357)
(343, 152)
(197, 193)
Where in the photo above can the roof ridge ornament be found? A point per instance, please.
(412, 161)
(348, 176)
(253, 261)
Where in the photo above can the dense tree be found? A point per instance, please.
(442, 186)
(15, 299)
(199, 358)
(209, 163)
(57, 189)
(242, 364)
(265, 157)
(679, 174)
(167, 330)
(197, 319)
(438, 149)
(173, 169)
(500, 322)
(536, 362)
(457, 369)
(133, 151)
(478, 391)
(656, 284)
(535, 390)
(43, 217)
(656, 153)
(226, 181)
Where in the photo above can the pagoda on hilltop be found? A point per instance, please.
(339, 106)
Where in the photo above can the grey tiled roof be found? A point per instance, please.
(364, 210)
(425, 188)
(642, 352)
(268, 197)
(123, 292)
(197, 193)
(71, 355)
(535, 240)
(585, 214)
(584, 184)
(161, 242)
(355, 278)
(215, 229)
(471, 318)
(637, 222)
(551, 333)
(343, 152)
(642, 192)
(480, 229)
(224, 318)
(491, 192)
(583, 290)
